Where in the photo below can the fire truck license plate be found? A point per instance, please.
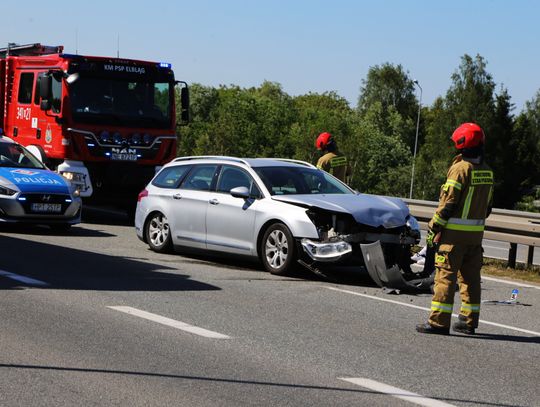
(46, 207)
(123, 157)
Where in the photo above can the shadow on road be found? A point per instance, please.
(505, 338)
(66, 268)
(297, 386)
(102, 215)
(42, 230)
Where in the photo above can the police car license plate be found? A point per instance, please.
(123, 157)
(46, 208)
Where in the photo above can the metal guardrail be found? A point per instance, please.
(514, 227)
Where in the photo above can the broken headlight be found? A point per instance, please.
(326, 251)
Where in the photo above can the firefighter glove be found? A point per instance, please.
(430, 238)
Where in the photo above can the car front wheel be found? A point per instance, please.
(158, 233)
(278, 251)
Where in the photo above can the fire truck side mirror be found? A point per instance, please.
(45, 92)
(184, 101)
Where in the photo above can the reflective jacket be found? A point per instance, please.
(465, 202)
(336, 164)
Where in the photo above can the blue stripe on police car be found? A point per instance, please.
(35, 180)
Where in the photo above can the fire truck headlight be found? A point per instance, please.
(136, 139)
(73, 177)
(105, 137)
(117, 138)
(147, 138)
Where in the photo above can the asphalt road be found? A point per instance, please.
(94, 318)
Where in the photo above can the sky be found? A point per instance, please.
(305, 45)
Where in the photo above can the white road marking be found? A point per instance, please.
(513, 328)
(509, 282)
(23, 279)
(395, 392)
(170, 322)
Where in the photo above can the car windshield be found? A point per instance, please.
(300, 181)
(15, 155)
(113, 101)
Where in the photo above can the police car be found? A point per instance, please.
(29, 192)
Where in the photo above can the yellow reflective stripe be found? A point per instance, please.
(467, 205)
(438, 220)
(490, 195)
(442, 307)
(338, 162)
(470, 307)
(452, 183)
(319, 166)
(482, 177)
(465, 228)
(440, 259)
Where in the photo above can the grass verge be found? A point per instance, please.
(497, 268)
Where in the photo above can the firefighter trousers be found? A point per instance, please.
(456, 263)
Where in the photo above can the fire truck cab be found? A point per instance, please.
(103, 123)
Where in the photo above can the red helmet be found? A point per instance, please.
(323, 140)
(468, 135)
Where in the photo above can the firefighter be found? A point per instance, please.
(332, 161)
(457, 229)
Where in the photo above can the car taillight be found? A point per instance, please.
(142, 194)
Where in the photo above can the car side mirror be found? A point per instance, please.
(240, 192)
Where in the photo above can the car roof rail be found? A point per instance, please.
(290, 160)
(212, 157)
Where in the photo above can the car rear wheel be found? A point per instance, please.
(278, 251)
(158, 233)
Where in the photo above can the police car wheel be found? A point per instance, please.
(158, 233)
(277, 249)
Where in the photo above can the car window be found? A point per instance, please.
(300, 180)
(232, 177)
(15, 155)
(200, 178)
(170, 177)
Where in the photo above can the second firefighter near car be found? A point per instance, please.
(281, 211)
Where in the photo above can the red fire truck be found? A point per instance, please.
(103, 123)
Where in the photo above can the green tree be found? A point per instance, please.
(391, 86)
(317, 113)
(381, 161)
(470, 98)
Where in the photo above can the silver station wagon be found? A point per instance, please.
(282, 211)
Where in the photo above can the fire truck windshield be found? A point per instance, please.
(120, 102)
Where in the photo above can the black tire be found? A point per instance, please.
(278, 249)
(158, 233)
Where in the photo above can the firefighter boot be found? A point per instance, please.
(462, 327)
(430, 329)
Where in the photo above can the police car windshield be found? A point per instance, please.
(14, 155)
(300, 181)
(110, 101)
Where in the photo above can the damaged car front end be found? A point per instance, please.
(347, 223)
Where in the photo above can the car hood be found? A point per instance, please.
(371, 210)
(33, 180)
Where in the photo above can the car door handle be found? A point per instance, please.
(177, 196)
(214, 201)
